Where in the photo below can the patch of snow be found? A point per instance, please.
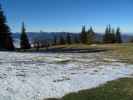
(35, 76)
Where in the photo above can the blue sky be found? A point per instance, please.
(68, 15)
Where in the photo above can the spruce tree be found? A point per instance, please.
(105, 37)
(24, 41)
(6, 41)
(90, 36)
(112, 36)
(83, 36)
(109, 36)
(118, 36)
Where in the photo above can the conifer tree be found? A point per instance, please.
(83, 36)
(109, 36)
(24, 41)
(118, 36)
(6, 41)
(105, 37)
(90, 36)
(112, 36)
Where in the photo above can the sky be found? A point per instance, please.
(68, 15)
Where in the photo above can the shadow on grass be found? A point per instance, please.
(74, 50)
(64, 50)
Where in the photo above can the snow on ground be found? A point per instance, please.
(35, 76)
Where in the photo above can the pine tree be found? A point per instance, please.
(105, 39)
(112, 36)
(109, 36)
(24, 41)
(6, 41)
(83, 36)
(68, 38)
(118, 36)
(90, 36)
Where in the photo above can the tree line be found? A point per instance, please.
(87, 37)
(111, 35)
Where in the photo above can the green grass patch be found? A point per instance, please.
(121, 89)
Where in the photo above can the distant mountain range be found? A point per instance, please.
(50, 35)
